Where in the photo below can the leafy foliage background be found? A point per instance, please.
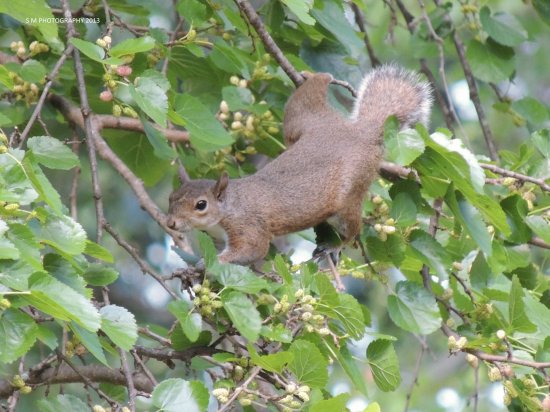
(448, 296)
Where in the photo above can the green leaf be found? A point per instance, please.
(8, 250)
(24, 240)
(430, 252)
(176, 395)
(332, 17)
(414, 309)
(534, 111)
(207, 249)
(543, 9)
(352, 368)
(91, 341)
(243, 314)
(491, 62)
(62, 403)
(35, 13)
(350, 314)
(160, 145)
(469, 218)
(373, 407)
(239, 278)
(206, 132)
(94, 52)
(282, 269)
(119, 325)
(384, 364)
(47, 336)
(272, 363)
(191, 322)
(5, 79)
(18, 332)
(327, 293)
(392, 250)
(277, 333)
(41, 184)
(516, 210)
(309, 366)
(301, 9)
(150, 96)
(517, 317)
(60, 301)
(541, 140)
(237, 98)
(97, 251)
(132, 46)
(137, 153)
(227, 58)
(64, 234)
(540, 226)
(52, 153)
(32, 71)
(335, 404)
(100, 275)
(404, 147)
(403, 210)
(502, 27)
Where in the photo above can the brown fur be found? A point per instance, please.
(325, 173)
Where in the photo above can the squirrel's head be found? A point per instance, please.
(197, 203)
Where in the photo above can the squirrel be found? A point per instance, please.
(324, 174)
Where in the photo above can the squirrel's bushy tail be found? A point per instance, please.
(391, 90)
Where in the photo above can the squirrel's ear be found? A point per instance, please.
(184, 177)
(221, 185)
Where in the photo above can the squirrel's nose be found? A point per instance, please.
(171, 223)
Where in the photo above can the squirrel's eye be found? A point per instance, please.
(201, 205)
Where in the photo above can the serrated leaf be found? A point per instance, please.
(502, 27)
(517, 317)
(151, 98)
(301, 9)
(274, 362)
(32, 71)
(531, 109)
(160, 145)
(64, 234)
(60, 301)
(239, 278)
(403, 210)
(8, 250)
(308, 365)
(414, 309)
(470, 219)
(23, 238)
(97, 251)
(191, 322)
(540, 226)
(5, 78)
(351, 367)
(119, 325)
(207, 249)
(62, 403)
(41, 184)
(132, 46)
(335, 404)
(176, 395)
(243, 314)
(430, 252)
(282, 269)
(327, 293)
(206, 132)
(541, 140)
(90, 340)
(277, 333)
(384, 364)
(226, 58)
(392, 250)
(100, 275)
(491, 62)
(94, 52)
(404, 147)
(18, 332)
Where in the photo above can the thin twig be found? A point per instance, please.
(240, 388)
(503, 172)
(270, 45)
(50, 78)
(416, 373)
(144, 367)
(360, 21)
(144, 266)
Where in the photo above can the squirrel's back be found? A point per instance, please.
(391, 90)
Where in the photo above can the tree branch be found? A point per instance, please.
(65, 374)
(524, 178)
